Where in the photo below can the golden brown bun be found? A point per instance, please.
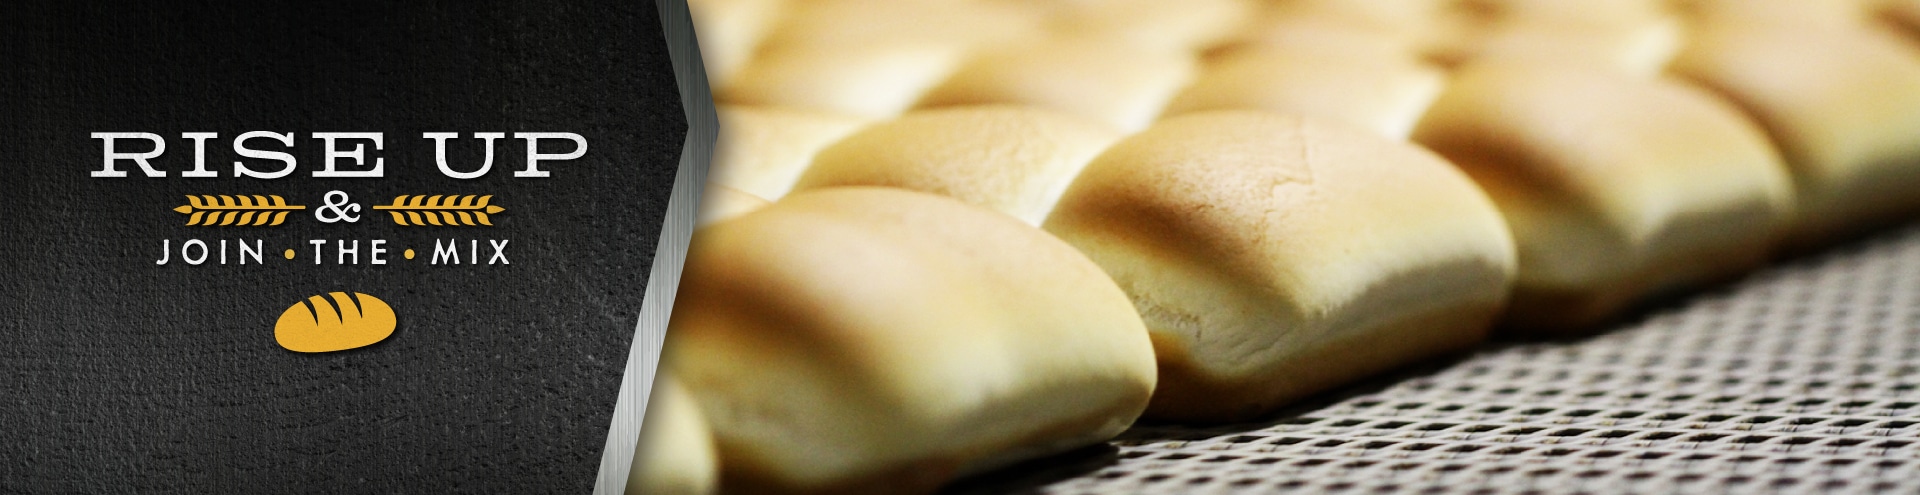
(1781, 14)
(1373, 27)
(1637, 36)
(719, 203)
(1016, 160)
(730, 31)
(874, 340)
(1120, 84)
(1614, 185)
(1843, 107)
(675, 455)
(1182, 25)
(1274, 257)
(869, 22)
(1903, 13)
(862, 79)
(1325, 29)
(1384, 93)
(762, 150)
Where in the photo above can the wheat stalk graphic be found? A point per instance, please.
(451, 209)
(240, 210)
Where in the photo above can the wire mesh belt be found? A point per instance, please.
(1801, 378)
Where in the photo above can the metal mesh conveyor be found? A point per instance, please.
(1802, 378)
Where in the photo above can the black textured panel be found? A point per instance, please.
(117, 374)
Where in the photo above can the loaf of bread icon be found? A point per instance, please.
(336, 322)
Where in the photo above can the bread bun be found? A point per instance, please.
(675, 454)
(762, 150)
(1373, 27)
(1191, 25)
(1385, 93)
(1637, 36)
(879, 340)
(1016, 160)
(334, 323)
(1368, 35)
(866, 79)
(719, 203)
(1122, 85)
(730, 31)
(1274, 256)
(1843, 107)
(846, 23)
(1614, 185)
(1904, 14)
(1779, 14)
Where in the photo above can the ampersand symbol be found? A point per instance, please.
(333, 211)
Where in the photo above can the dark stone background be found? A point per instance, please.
(117, 375)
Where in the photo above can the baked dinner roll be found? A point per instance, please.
(1642, 49)
(1843, 107)
(1614, 185)
(719, 203)
(878, 79)
(961, 24)
(762, 150)
(876, 340)
(1781, 14)
(730, 31)
(1903, 13)
(1399, 25)
(675, 455)
(1329, 30)
(1273, 257)
(1120, 84)
(1016, 160)
(1183, 25)
(1385, 93)
(1638, 36)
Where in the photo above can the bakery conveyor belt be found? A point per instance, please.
(1804, 377)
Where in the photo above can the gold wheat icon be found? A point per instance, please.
(450, 209)
(237, 210)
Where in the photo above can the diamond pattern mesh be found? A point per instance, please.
(1801, 378)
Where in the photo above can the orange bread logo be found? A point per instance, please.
(343, 322)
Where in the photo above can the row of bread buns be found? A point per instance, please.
(1211, 267)
(1690, 190)
(1128, 62)
(1837, 95)
(1616, 185)
(1267, 257)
